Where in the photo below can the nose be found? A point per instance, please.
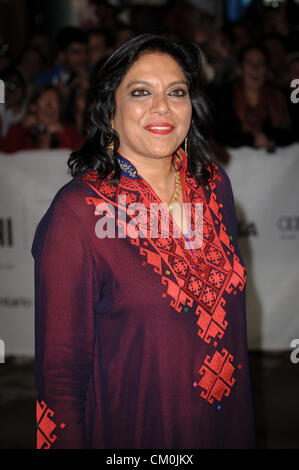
(160, 104)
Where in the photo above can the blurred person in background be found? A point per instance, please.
(5, 55)
(73, 69)
(251, 111)
(40, 41)
(275, 20)
(122, 34)
(239, 35)
(76, 109)
(43, 127)
(97, 45)
(14, 108)
(31, 63)
(277, 53)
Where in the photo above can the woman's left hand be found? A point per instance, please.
(55, 128)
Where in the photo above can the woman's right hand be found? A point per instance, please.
(30, 121)
(262, 141)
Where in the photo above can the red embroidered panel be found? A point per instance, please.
(195, 280)
(45, 426)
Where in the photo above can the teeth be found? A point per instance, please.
(159, 128)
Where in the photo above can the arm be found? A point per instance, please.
(64, 327)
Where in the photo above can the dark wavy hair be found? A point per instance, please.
(101, 109)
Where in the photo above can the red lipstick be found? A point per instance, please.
(162, 128)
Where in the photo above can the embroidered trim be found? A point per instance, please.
(127, 168)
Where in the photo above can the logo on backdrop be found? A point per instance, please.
(2, 352)
(2, 92)
(247, 229)
(16, 302)
(6, 232)
(288, 226)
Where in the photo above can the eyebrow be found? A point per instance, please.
(143, 82)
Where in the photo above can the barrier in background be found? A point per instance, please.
(266, 198)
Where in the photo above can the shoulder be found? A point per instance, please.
(82, 194)
(220, 178)
(72, 194)
(66, 213)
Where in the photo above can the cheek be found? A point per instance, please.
(184, 115)
(128, 116)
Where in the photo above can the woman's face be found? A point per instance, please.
(254, 69)
(48, 108)
(153, 108)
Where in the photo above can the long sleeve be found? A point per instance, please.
(65, 292)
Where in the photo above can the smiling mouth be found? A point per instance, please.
(160, 128)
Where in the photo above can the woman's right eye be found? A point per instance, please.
(140, 92)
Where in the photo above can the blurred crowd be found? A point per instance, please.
(248, 68)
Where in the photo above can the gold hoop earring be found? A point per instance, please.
(186, 145)
(110, 147)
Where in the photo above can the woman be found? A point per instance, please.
(251, 111)
(43, 127)
(140, 339)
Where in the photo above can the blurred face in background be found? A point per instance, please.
(42, 43)
(153, 108)
(276, 51)
(48, 108)
(14, 92)
(75, 57)
(254, 70)
(122, 35)
(31, 63)
(80, 98)
(97, 48)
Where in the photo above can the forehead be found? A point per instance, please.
(76, 46)
(254, 54)
(154, 66)
(48, 95)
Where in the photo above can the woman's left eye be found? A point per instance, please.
(179, 92)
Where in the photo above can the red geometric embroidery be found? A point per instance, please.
(214, 256)
(195, 285)
(209, 296)
(180, 266)
(211, 326)
(198, 279)
(217, 376)
(216, 278)
(45, 426)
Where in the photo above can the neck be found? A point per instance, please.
(158, 172)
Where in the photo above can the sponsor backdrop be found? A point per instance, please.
(266, 195)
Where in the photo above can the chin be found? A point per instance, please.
(162, 152)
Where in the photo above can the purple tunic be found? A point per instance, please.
(140, 342)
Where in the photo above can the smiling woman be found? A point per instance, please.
(141, 341)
